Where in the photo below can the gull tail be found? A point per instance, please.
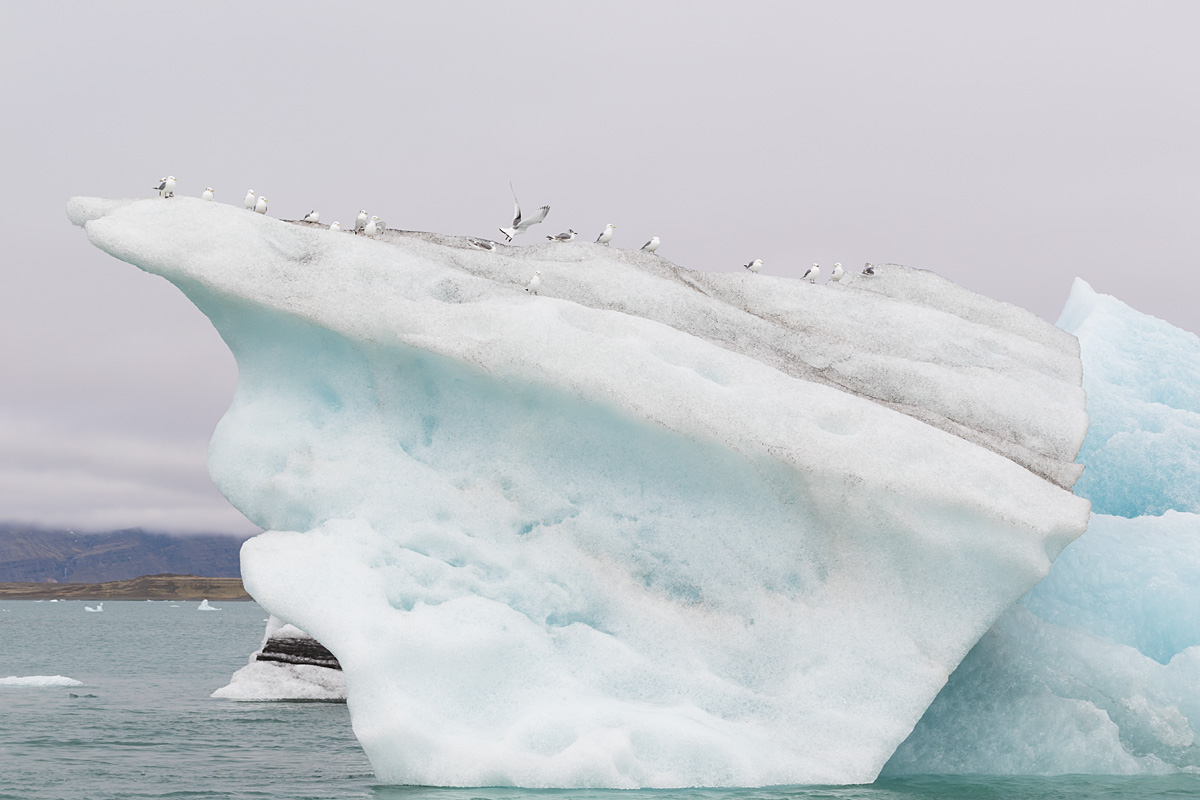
(509, 233)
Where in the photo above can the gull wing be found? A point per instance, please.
(538, 216)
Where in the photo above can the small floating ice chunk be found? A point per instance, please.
(99, 607)
(38, 681)
(204, 606)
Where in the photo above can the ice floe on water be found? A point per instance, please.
(204, 606)
(38, 681)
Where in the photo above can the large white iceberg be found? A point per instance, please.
(654, 527)
(1097, 669)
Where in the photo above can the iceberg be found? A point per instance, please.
(38, 681)
(289, 666)
(1097, 669)
(651, 528)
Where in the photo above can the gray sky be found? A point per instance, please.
(1009, 146)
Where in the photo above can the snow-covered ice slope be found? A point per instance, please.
(1097, 670)
(653, 527)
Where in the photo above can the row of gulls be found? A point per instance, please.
(373, 226)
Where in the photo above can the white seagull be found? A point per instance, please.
(563, 237)
(260, 205)
(167, 187)
(312, 216)
(248, 202)
(208, 194)
(361, 222)
(483, 244)
(606, 235)
(336, 226)
(374, 227)
(651, 245)
(754, 266)
(836, 276)
(534, 284)
(813, 273)
(521, 224)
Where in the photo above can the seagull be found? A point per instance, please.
(336, 226)
(563, 237)
(868, 268)
(312, 216)
(260, 205)
(361, 222)
(836, 277)
(813, 273)
(754, 266)
(167, 187)
(248, 202)
(374, 227)
(519, 224)
(208, 194)
(483, 244)
(534, 284)
(162, 183)
(606, 235)
(651, 245)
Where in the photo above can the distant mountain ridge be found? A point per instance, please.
(31, 554)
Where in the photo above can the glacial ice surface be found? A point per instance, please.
(1097, 669)
(652, 528)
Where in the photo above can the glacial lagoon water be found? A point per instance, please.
(142, 724)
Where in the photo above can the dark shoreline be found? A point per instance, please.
(147, 587)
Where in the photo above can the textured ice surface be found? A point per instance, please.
(651, 528)
(1097, 670)
(1142, 376)
(38, 681)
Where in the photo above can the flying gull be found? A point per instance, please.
(312, 216)
(521, 224)
(754, 266)
(167, 187)
(208, 194)
(563, 237)
(248, 202)
(836, 276)
(260, 205)
(534, 284)
(606, 235)
(813, 273)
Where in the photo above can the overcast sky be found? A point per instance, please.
(1009, 146)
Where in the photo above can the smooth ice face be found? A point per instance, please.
(650, 528)
(1097, 670)
(1142, 376)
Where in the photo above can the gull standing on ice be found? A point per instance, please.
(375, 226)
(248, 202)
(606, 235)
(651, 245)
(563, 237)
(361, 222)
(836, 276)
(519, 223)
(483, 244)
(208, 194)
(754, 266)
(534, 284)
(813, 273)
(312, 216)
(167, 187)
(260, 205)
(868, 268)
(336, 226)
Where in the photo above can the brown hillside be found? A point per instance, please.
(147, 587)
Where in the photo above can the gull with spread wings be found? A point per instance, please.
(521, 224)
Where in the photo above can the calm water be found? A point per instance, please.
(143, 724)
